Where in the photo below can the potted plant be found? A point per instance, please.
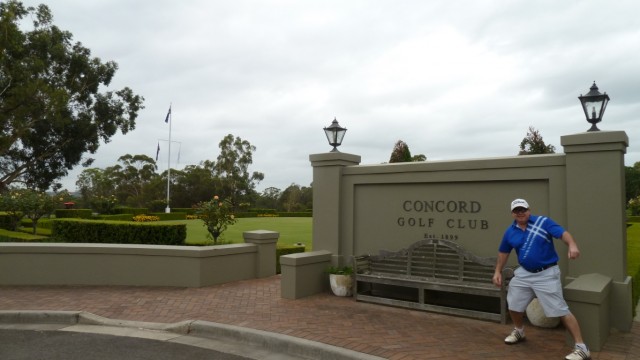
(341, 280)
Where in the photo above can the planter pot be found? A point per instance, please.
(341, 285)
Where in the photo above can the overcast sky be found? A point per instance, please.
(452, 79)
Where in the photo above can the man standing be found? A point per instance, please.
(538, 275)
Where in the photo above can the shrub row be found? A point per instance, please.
(76, 231)
(130, 210)
(262, 211)
(73, 213)
(5, 221)
(273, 214)
(188, 211)
(43, 223)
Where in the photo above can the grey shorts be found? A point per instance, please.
(545, 285)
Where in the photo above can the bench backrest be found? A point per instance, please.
(433, 258)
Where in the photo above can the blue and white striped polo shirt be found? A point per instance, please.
(534, 246)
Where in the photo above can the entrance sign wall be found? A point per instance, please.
(362, 209)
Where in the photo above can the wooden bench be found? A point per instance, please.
(433, 275)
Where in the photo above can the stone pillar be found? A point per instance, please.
(596, 213)
(589, 298)
(304, 274)
(327, 188)
(266, 258)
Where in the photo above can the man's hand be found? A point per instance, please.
(497, 279)
(574, 252)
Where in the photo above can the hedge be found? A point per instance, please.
(634, 219)
(43, 223)
(116, 232)
(252, 214)
(73, 213)
(170, 216)
(130, 210)
(6, 221)
(188, 211)
(120, 217)
(295, 214)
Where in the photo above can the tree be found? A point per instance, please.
(131, 176)
(95, 183)
(232, 169)
(534, 144)
(269, 198)
(216, 215)
(632, 181)
(195, 183)
(401, 153)
(27, 202)
(51, 108)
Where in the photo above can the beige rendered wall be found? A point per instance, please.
(138, 265)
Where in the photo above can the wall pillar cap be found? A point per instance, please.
(588, 288)
(595, 137)
(334, 158)
(261, 236)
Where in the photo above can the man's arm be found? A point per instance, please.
(500, 263)
(574, 252)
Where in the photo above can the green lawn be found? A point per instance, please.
(633, 260)
(292, 230)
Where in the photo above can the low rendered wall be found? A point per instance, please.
(138, 265)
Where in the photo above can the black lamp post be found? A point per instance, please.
(594, 104)
(335, 134)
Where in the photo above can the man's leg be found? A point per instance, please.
(571, 324)
(518, 319)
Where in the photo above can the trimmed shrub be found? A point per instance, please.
(171, 216)
(90, 231)
(634, 219)
(188, 211)
(121, 217)
(245, 214)
(42, 223)
(145, 218)
(262, 211)
(6, 221)
(130, 210)
(295, 214)
(73, 213)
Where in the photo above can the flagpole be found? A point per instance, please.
(168, 208)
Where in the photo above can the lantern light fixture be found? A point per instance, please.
(593, 104)
(335, 134)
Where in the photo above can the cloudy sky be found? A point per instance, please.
(452, 79)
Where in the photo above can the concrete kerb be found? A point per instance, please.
(273, 342)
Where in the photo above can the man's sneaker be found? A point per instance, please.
(578, 354)
(515, 337)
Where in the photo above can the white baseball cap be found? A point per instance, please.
(519, 203)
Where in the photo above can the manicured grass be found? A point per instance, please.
(292, 230)
(633, 260)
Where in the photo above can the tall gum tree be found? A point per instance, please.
(51, 109)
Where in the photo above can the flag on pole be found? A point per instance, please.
(168, 115)
(179, 148)
(158, 151)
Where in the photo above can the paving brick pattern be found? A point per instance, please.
(388, 332)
